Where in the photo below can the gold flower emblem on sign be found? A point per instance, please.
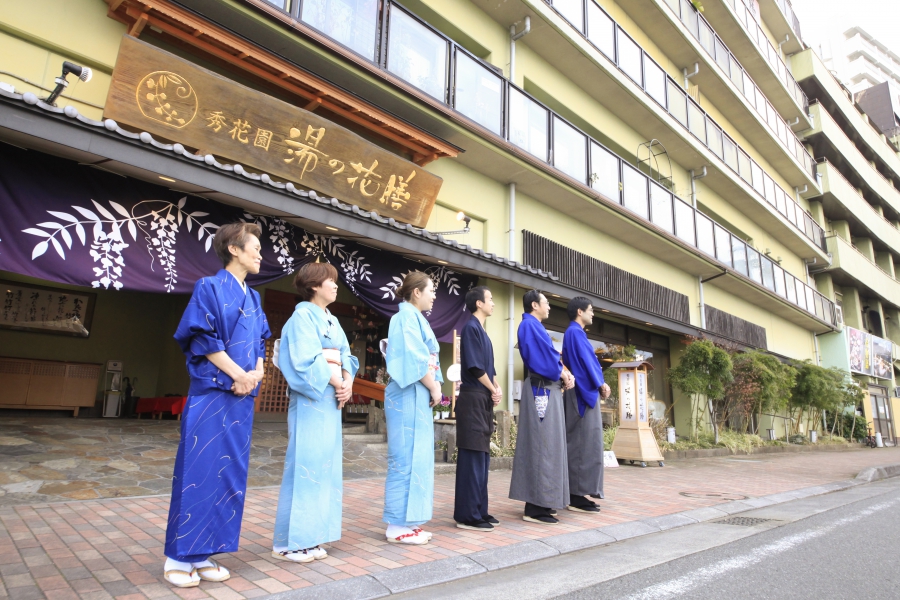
(168, 98)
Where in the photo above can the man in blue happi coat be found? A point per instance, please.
(540, 477)
(584, 423)
(222, 333)
(479, 393)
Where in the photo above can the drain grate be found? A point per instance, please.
(743, 521)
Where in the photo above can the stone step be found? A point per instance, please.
(352, 428)
(380, 447)
(365, 438)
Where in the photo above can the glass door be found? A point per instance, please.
(881, 413)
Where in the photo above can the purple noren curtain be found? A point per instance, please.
(74, 224)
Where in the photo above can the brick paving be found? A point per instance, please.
(112, 548)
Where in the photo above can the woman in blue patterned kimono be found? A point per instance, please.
(222, 333)
(412, 363)
(315, 358)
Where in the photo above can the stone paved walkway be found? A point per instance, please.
(52, 460)
(112, 548)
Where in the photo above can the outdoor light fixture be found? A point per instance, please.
(164, 178)
(460, 216)
(329, 227)
(83, 73)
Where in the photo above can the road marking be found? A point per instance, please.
(689, 581)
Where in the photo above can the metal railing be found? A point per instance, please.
(746, 18)
(417, 53)
(735, 72)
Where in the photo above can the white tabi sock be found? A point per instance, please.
(177, 565)
(395, 531)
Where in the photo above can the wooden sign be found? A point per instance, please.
(634, 439)
(165, 95)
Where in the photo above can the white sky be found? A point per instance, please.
(820, 19)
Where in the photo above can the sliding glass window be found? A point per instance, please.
(753, 263)
(478, 93)
(569, 150)
(677, 102)
(705, 240)
(696, 121)
(635, 192)
(779, 281)
(723, 245)
(739, 255)
(601, 30)
(629, 56)
(417, 54)
(655, 81)
(353, 23)
(768, 274)
(527, 124)
(571, 10)
(684, 222)
(661, 207)
(605, 172)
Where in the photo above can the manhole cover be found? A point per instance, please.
(743, 521)
(713, 495)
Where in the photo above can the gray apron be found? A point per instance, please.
(584, 443)
(540, 475)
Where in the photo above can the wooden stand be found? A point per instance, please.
(634, 439)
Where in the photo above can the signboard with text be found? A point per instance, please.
(165, 95)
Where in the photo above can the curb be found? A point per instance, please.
(787, 449)
(403, 579)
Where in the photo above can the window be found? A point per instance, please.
(690, 17)
(714, 137)
(605, 172)
(779, 281)
(569, 150)
(706, 37)
(571, 11)
(696, 121)
(677, 102)
(737, 75)
(749, 90)
(801, 293)
(768, 274)
(417, 54)
(769, 187)
(684, 222)
(705, 241)
(723, 56)
(757, 181)
(629, 56)
(601, 30)
(723, 245)
(789, 286)
(661, 207)
(780, 200)
(527, 124)
(760, 102)
(739, 255)
(478, 93)
(744, 166)
(353, 23)
(654, 81)
(731, 154)
(753, 262)
(635, 192)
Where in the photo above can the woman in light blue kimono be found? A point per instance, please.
(315, 359)
(412, 363)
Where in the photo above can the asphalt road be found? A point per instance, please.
(844, 544)
(848, 552)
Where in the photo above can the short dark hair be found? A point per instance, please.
(313, 275)
(529, 298)
(474, 296)
(575, 304)
(233, 234)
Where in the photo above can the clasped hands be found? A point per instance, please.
(343, 390)
(246, 381)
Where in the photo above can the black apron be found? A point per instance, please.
(474, 419)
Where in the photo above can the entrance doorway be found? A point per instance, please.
(882, 420)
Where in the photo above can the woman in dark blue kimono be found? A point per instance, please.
(222, 333)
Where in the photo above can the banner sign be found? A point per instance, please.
(869, 355)
(165, 95)
(70, 223)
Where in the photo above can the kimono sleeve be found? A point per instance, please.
(302, 363)
(579, 357)
(197, 333)
(264, 334)
(471, 350)
(407, 353)
(537, 350)
(349, 362)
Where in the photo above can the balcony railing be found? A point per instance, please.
(749, 22)
(788, 11)
(722, 56)
(598, 28)
(415, 52)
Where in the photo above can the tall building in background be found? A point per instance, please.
(695, 173)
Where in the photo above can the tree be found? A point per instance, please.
(704, 370)
(815, 389)
(761, 384)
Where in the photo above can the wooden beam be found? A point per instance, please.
(138, 26)
(316, 103)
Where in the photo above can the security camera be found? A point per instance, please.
(82, 73)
